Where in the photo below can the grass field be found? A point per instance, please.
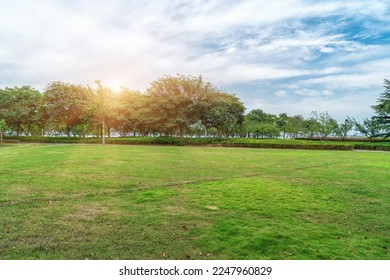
(165, 202)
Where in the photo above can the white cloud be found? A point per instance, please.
(327, 93)
(281, 93)
(131, 43)
(308, 92)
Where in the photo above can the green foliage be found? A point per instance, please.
(295, 126)
(131, 115)
(287, 144)
(282, 122)
(226, 142)
(174, 102)
(370, 127)
(383, 106)
(261, 124)
(3, 127)
(196, 129)
(68, 104)
(342, 129)
(172, 105)
(222, 111)
(311, 127)
(326, 124)
(19, 107)
(383, 111)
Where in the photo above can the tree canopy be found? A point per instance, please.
(172, 105)
(68, 105)
(383, 111)
(19, 107)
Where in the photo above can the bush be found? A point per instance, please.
(230, 142)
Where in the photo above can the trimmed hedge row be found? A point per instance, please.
(41, 139)
(231, 142)
(350, 139)
(380, 146)
(290, 146)
(164, 141)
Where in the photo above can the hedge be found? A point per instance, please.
(230, 142)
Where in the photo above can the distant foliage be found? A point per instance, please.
(383, 111)
(184, 106)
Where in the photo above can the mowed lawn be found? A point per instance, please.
(164, 202)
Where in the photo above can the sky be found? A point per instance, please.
(292, 56)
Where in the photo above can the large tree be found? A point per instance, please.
(130, 117)
(327, 124)
(67, 104)
(343, 128)
(104, 109)
(262, 124)
(174, 102)
(222, 111)
(311, 126)
(282, 123)
(383, 110)
(19, 107)
(295, 125)
(369, 127)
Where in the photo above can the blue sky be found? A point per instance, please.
(291, 56)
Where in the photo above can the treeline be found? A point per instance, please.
(172, 105)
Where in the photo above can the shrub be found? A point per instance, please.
(230, 142)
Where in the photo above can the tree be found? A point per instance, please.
(295, 126)
(104, 109)
(221, 111)
(327, 124)
(311, 126)
(383, 106)
(5, 102)
(262, 124)
(3, 127)
(268, 130)
(197, 129)
(258, 116)
(282, 123)
(383, 111)
(19, 107)
(370, 127)
(343, 128)
(130, 112)
(67, 104)
(174, 102)
(43, 117)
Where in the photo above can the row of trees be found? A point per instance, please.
(169, 105)
(172, 105)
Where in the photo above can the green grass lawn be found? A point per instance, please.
(166, 202)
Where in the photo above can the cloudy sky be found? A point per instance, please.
(291, 56)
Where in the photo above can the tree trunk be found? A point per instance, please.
(68, 132)
(219, 132)
(103, 137)
(1, 137)
(181, 132)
